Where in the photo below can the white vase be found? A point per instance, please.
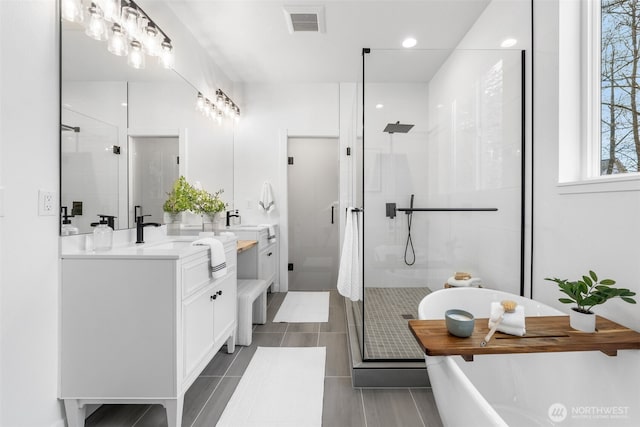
(585, 322)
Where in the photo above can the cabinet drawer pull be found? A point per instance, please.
(219, 292)
(213, 297)
(270, 253)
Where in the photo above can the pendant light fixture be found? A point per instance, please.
(117, 44)
(129, 31)
(96, 27)
(218, 110)
(136, 55)
(71, 10)
(166, 54)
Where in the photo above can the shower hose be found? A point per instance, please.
(409, 245)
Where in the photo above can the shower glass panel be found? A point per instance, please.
(459, 166)
(90, 169)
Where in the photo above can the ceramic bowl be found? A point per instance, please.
(459, 322)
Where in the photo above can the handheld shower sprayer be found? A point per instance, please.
(409, 241)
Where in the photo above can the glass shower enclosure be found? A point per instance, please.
(441, 159)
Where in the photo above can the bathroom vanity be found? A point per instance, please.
(139, 323)
(261, 261)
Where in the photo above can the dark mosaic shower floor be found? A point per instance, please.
(386, 313)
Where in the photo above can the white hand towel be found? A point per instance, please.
(271, 231)
(218, 259)
(474, 281)
(266, 197)
(349, 271)
(512, 323)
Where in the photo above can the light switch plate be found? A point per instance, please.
(46, 203)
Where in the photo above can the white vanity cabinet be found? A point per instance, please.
(260, 262)
(139, 325)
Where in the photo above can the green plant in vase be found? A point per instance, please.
(209, 204)
(182, 198)
(586, 293)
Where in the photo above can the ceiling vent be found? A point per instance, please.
(304, 19)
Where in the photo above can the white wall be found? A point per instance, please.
(575, 232)
(29, 243)
(273, 111)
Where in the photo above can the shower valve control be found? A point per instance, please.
(391, 210)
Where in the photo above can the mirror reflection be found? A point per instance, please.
(124, 136)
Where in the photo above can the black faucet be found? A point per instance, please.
(140, 224)
(230, 215)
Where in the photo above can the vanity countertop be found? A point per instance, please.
(173, 247)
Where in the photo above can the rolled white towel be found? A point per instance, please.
(512, 323)
(473, 282)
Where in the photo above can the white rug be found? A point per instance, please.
(304, 307)
(282, 387)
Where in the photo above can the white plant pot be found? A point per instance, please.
(585, 322)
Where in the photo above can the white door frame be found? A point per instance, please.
(285, 134)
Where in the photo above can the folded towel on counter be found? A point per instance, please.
(218, 259)
(349, 271)
(266, 198)
(271, 231)
(512, 323)
(472, 282)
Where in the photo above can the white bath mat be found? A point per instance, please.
(282, 387)
(304, 307)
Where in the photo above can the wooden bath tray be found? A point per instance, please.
(544, 334)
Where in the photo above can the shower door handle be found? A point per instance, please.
(332, 210)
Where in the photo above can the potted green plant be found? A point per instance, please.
(182, 198)
(586, 293)
(208, 204)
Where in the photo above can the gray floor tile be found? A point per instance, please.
(393, 407)
(241, 362)
(427, 406)
(303, 327)
(116, 415)
(337, 320)
(194, 400)
(342, 406)
(300, 339)
(337, 354)
(214, 407)
(274, 300)
(156, 416)
(221, 362)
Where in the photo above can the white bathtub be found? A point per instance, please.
(544, 389)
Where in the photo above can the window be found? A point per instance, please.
(619, 37)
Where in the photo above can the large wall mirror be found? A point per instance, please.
(125, 134)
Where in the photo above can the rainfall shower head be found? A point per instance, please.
(397, 127)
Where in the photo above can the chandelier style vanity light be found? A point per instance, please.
(126, 27)
(218, 109)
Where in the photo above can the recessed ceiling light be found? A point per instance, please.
(379, 106)
(409, 42)
(508, 42)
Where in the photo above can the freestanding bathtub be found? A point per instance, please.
(519, 390)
